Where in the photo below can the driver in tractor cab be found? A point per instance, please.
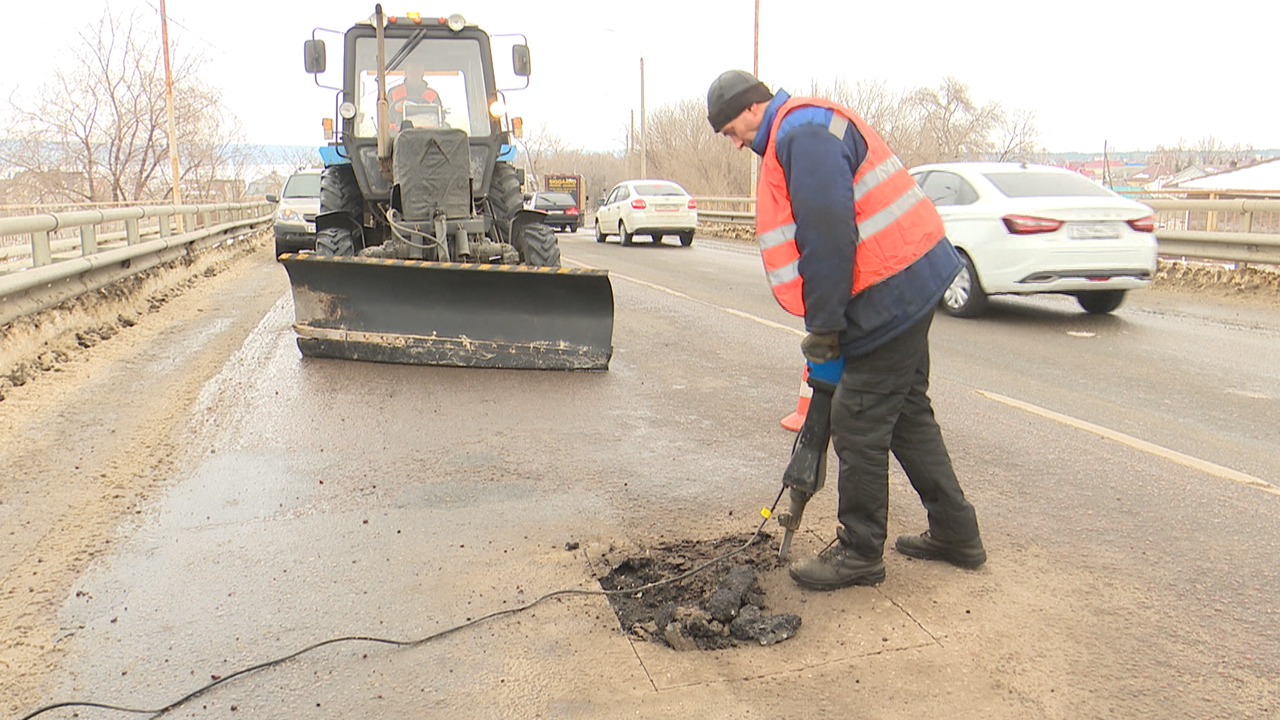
(414, 90)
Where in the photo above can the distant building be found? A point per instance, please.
(1262, 176)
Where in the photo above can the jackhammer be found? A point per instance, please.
(807, 469)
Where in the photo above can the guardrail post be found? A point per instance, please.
(88, 239)
(164, 226)
(131, 231)
(40, 253)
(189, 221)
(1211, 225)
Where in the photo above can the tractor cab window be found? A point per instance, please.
(439, 83)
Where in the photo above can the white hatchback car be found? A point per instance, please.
(1027, 229)
(647, 207)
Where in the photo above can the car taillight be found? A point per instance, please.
(1146, 224)
(693, 204)
(638, 204)
(571, 211)
(1026, 225)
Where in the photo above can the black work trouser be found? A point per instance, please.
(882, 405)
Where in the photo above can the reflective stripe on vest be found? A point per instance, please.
(896, 222)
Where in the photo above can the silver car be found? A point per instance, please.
(295, 219)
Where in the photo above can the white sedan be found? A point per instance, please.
(647, 207)
(1027, 229)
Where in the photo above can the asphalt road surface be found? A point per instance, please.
(193, 497)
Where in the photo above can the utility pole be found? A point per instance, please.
(755, 70)
(168, 101)
(644, 135)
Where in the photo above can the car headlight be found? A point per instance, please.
(287, 215)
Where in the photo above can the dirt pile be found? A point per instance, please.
(36, 344)
(1260, 282)
(719, 607)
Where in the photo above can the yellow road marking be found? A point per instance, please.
(1194, 463)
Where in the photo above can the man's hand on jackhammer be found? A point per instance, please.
(821, 347)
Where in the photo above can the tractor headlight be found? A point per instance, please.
(497, 108)
(347, 110)
(456, 22)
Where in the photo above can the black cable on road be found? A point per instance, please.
(159, 712)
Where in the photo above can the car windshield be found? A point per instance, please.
(450, 68)
(304, 186)
(1045, 184)
(554, 199)
(652, 189)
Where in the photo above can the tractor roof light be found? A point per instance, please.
(415, 17)
(456, 22)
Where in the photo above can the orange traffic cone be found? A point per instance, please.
(795, 420)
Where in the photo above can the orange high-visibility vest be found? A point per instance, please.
(398, 95)
(896, 222)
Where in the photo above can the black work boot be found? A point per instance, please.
(837, 566)
(969, 554)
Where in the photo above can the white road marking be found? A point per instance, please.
(1194, 463)
(1204, 466)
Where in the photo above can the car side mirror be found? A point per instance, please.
(313, 56)
(273, 198)
(520, 61)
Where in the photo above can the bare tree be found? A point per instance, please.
(921, 125)
(682, 148)
(98, 132)
(1017, 137)
(952, 125)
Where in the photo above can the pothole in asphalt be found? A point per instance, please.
(722, 606)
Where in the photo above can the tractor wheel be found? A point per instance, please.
(505, 200)
(336, 241)
(340, 192)
(538, 245)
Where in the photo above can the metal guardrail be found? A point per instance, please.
(48, 258)
(1242, 230)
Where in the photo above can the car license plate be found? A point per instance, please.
(311, 227)
(1093, 231)
(668, 208)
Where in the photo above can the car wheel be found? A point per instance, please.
(657, 237)
(686, 238)
(624, 234)
(965, 296)
(600, 236)
(1098, 302)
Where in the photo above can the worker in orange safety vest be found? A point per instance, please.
(414, 89)
(851, 244)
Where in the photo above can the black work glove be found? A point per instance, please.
(821, 347)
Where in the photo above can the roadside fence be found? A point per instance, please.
(47, 258)
(1239, 227)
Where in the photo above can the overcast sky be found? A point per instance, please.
(1133, 73)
